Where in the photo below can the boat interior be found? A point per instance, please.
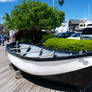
(34, 51)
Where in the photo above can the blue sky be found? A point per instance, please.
(74, 9)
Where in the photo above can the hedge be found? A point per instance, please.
(24, 39)
(69, 44)
(46, 37)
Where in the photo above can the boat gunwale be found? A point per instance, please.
(46, 59)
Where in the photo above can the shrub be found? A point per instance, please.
(69, 44)
(24, 40)
(46, 37)
(26, 36)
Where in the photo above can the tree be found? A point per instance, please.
(33, 16)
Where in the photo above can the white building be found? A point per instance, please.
(63, 28)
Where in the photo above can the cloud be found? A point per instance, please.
(7, 0)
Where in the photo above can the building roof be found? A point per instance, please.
(73, 21)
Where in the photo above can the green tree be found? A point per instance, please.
(33, 16)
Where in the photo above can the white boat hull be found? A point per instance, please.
(50, 67)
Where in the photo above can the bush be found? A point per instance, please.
(25, 40)
(46, 37)
(26, 36)
(69, 44)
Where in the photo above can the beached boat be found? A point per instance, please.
(61, 66)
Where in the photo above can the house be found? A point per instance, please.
(73, 23)
(63, 28)
(81, 26)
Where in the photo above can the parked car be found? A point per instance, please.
(86, 34)
(75, 36)
(64, 35)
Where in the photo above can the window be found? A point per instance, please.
(63, 25)
(84, 25)
(81, 25)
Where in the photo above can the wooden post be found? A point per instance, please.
(18, 75)
(11, 66)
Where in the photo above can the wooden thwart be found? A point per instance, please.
(36, 52)
(27, 52)
(30, 52)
